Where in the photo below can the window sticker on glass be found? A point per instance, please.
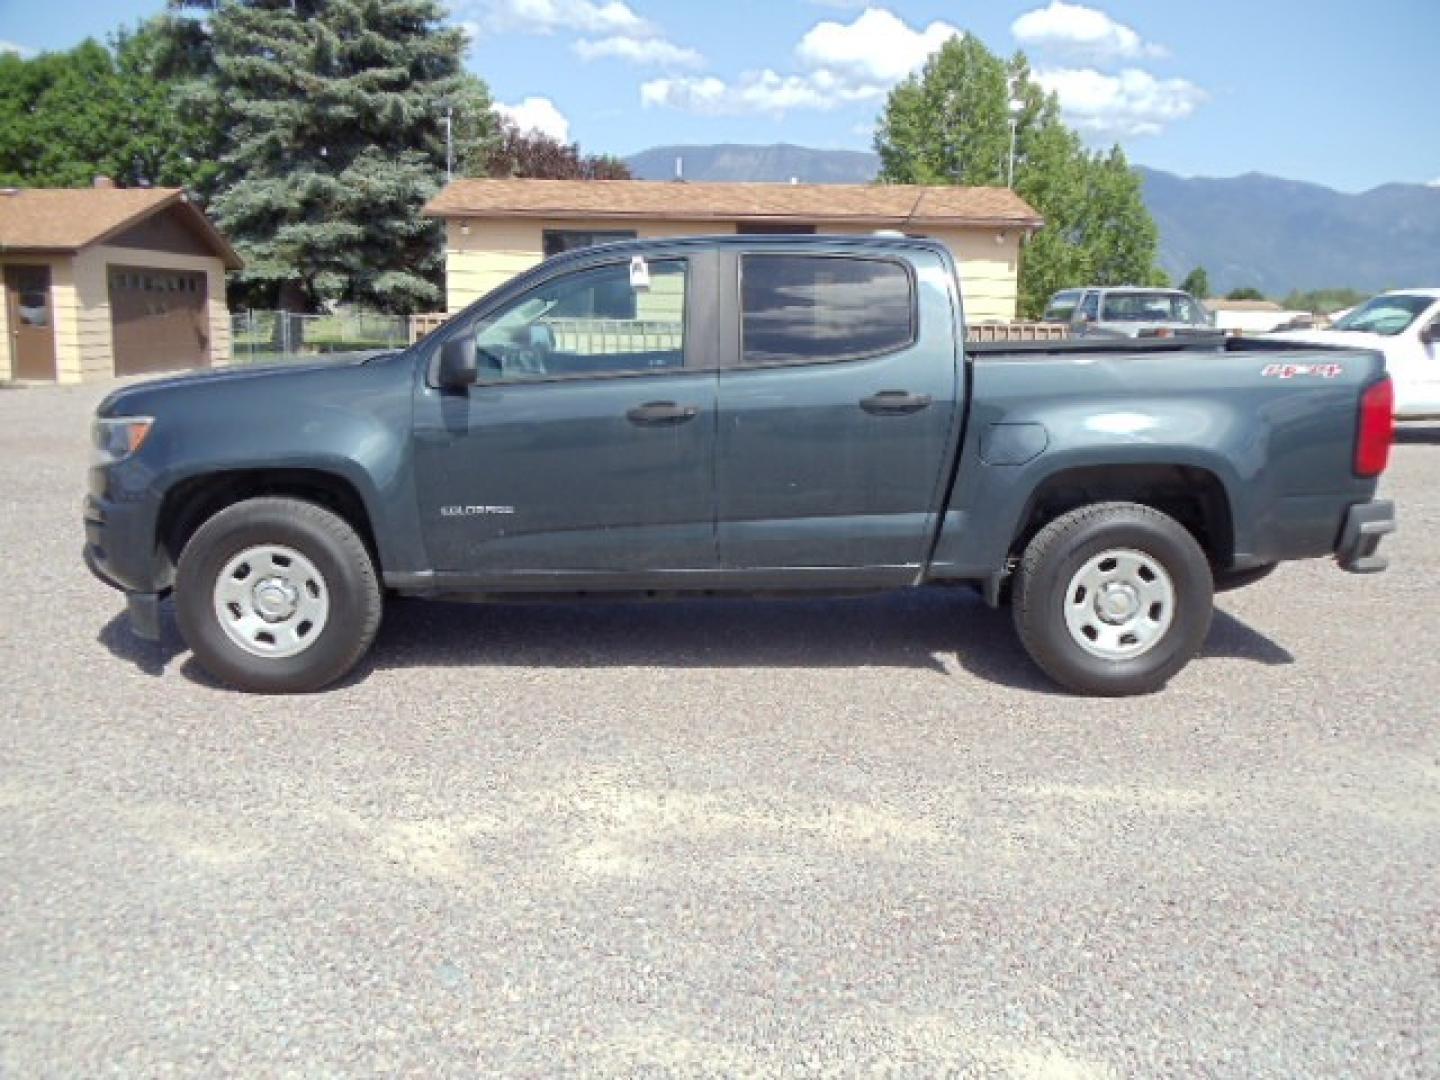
(639, 273)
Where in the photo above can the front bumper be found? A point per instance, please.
(120, 544)
(120, 551)
(1366, 524)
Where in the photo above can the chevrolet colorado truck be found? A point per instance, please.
(735, 415)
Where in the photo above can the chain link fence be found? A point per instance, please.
(262, 336)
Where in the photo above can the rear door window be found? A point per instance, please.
(806, 309)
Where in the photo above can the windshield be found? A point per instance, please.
(1152, 307)
(1062, 306)
(1387, 315)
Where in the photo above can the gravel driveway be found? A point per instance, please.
(717, 838)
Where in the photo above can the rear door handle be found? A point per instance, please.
(661, 412)
(894, 402)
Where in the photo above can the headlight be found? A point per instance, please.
(114, 440)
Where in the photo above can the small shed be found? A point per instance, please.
(1252, 316)
(108, 281)
(494, 229)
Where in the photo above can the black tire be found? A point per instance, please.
(335, 550)
(1228, 580)
(1056, 555)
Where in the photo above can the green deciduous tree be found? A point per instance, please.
(333, 116)
(68, 117)
(1245, 292)
(1197, 283)
(950, 124)
(1324, 301)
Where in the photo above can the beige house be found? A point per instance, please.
(107, 281)
(494, 229)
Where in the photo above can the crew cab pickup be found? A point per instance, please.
(751, 415)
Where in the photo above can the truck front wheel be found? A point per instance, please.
(277, 595)
(1113, 599)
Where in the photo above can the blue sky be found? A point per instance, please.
(1332, 91)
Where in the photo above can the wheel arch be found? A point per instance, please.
(190, 502)
(1194, 495)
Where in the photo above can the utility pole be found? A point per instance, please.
(1016, 107)
(449, 143)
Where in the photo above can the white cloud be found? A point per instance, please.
(22, 51)
(549, 16)
(605, 28)
(1130, 103)
(654, 51)
(1080, 32)
(842, 63)
(537, 114)
(876, 46)
(757, 92)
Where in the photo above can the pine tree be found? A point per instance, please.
(950, 125)
(333, 113)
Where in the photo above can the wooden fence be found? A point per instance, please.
(430, 321)
(630, 335)
(1018, 331)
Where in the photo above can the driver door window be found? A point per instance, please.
(592, 323)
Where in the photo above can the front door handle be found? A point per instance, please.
(661, 412)
(894, 402)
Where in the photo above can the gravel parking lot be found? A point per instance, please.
(717, 838)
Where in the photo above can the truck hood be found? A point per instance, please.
(137, 398)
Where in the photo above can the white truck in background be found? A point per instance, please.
(1403, 325)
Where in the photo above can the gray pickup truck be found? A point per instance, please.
(1131, 312)
(735, 415)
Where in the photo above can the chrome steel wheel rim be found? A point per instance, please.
(271, 601)
(1119, 604)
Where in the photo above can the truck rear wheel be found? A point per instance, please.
(277, 596)
(1113, 599)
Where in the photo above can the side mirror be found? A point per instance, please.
(457, 363)
(1431, 334)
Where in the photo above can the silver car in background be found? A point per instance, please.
(1129, 312)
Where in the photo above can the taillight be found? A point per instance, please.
(1377, 428)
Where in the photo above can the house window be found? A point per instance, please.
(773, 228)
(556, 241)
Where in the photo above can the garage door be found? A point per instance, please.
(160, 319)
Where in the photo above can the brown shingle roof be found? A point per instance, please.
(68, 219)
(877, 204)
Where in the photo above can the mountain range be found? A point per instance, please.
(1273, 234)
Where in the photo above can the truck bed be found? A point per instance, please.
(1216, 342)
